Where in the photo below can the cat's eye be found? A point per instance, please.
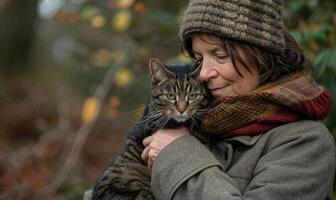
(171, 96)
(191, 97)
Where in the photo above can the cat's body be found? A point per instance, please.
(177, 99)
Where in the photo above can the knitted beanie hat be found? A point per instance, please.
(257, 22)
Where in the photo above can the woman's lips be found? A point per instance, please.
(217, 88)
(218, 91)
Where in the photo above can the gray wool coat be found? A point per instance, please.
(294, 161)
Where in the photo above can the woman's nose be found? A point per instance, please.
(207, 71)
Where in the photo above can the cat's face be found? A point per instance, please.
(177, 97)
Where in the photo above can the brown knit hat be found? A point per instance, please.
(257, 22)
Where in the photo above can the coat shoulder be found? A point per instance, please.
(305, 130)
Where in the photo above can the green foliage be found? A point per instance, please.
(312, 23)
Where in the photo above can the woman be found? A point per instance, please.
(266, 138)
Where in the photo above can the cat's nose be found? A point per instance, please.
(181, 107)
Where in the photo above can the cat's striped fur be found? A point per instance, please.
(177, 99)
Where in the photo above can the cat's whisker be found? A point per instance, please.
(199, 118)
(192, 118)
(165, 122)
(205, 109)
(151, 122)
(150, 117)
(157, 126)
(147, 121)
(140, 109)
(153, 114)
(146, 118)
(160, 123)
(202, 112)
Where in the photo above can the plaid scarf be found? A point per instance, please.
(291, 98)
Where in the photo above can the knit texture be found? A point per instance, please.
(291, 98)
(258, 22)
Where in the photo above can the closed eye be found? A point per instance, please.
(222, 56)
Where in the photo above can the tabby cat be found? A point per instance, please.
(177, 99)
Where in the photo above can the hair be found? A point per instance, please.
(271, 66)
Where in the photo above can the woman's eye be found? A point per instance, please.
(191, 97)
(171, 96)
(222, 56)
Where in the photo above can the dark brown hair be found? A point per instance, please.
(271, 66)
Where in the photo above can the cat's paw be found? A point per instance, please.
(133, 178)
(145, 195)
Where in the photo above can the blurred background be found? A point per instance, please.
(73, 80)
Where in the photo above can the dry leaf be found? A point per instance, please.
(90, 109)
(124, 3)
(122, 20)
(98, 21)
(123, 77)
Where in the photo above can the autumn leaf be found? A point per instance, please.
(139, 8)
(98, 21)
(101, 58)
(90, 109)
(122, 20)
(74, 18)
(113, 113)
(124, 3)
(123, 77)
(114, 101)
(60, 16)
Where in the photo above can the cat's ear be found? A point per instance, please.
(158, 72)
(196, 71)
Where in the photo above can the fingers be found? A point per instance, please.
(152, 155)
(158, 141)
(149, 154)
(147, 141)
(144, 154)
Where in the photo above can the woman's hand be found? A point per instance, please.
(159, 140)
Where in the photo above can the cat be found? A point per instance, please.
(177, 99)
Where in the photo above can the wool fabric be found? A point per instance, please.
(257, 22)
(291, 98)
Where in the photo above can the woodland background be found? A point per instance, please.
(73, 80)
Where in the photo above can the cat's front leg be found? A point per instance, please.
(126, 178)
(145, 195)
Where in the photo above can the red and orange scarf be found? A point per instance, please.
(286, 100)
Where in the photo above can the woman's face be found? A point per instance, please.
(218, 71)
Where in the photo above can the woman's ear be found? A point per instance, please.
(158, 72)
